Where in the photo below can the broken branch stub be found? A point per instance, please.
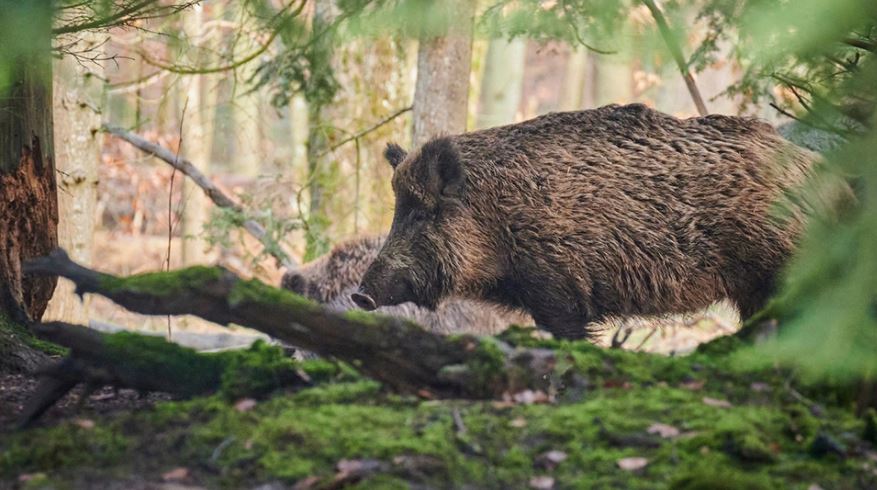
(394, 351)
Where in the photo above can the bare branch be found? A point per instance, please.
(213, 192)
(867, 45)
(368, 130)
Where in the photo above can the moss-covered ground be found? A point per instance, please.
(724, 426)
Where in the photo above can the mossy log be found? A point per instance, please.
(144, 363)
(394, 351)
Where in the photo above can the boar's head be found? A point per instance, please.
(435, 241)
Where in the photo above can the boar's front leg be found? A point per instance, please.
(563, 323)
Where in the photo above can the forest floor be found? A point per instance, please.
(622, 420)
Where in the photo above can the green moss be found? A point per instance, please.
(163, 283)
(486, 366)
(870, 432)
(362, 317)
(720, 478)
(66, 445)
(257, 371)
(12, 333)
(136, 355)
(761, 440)
(255, 291)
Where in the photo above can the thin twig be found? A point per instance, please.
(366, 131)
(170, 209)
(646, 339)
(676, 52)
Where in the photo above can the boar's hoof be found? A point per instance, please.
(364, 301)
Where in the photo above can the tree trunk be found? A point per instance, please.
(28, 200)
(574, 84)
(196, 144)
(76, 102)
(502, 82)
(441, 94)
(319, 158)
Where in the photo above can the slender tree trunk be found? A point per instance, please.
(77, 102)
(574, 84)
(28, 199)
(614, 82)
(319, 159)
(197, 131)
(441, 94)
(502, 82)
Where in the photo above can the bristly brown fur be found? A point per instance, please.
(577, 216)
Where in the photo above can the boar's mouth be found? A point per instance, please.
(399, 290)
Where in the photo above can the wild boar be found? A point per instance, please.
(579, 216)
(332, 278)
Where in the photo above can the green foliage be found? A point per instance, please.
(813, 50)
(826, 305)
(24, 37)
(591, 23)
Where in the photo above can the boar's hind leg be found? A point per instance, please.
(752, 299)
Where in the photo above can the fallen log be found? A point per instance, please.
(145, 364)
(391, 350)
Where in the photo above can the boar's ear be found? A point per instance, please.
(446, 175)
(394, 154)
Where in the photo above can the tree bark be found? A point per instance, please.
(28, 199)
(196, 144)
(441, 93)
(502, 82)
(77, 96)
(319, 132)
(574, 83)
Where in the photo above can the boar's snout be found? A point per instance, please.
(384, 286)
(364, 301)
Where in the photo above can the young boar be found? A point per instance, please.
(332, 278)
(578, 216)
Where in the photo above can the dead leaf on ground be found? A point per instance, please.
(84, 423)
(307, 483)
(759, 387)
(518, 423)
(542, 482)
(694, 385)
(530, 397)
(176, 474)
(632, 464)
(550, 459)
(715, 402)
(245, 405)
(663, 430)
